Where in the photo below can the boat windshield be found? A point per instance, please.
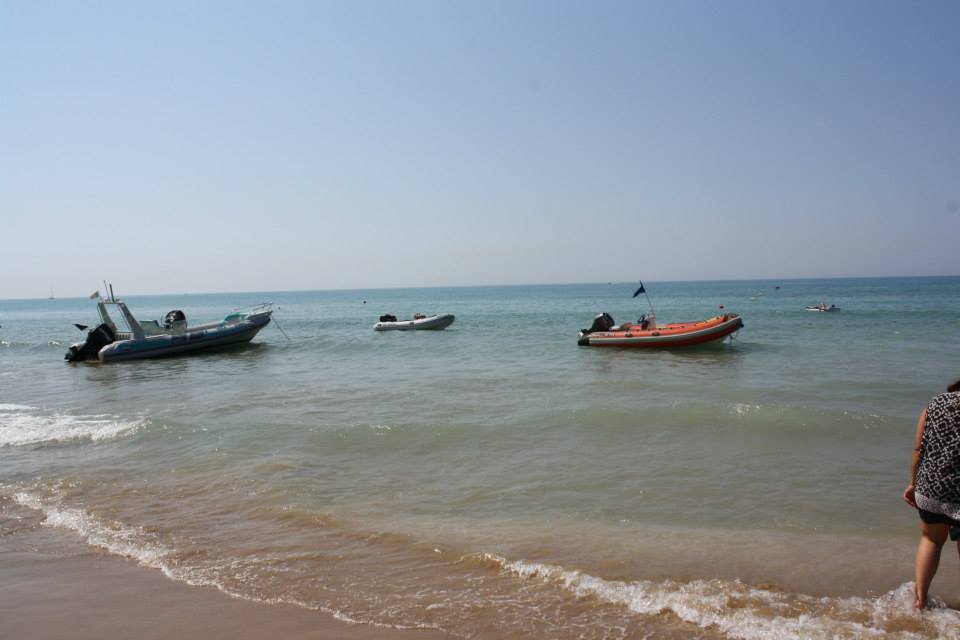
(117, 320)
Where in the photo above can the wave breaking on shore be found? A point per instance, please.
(518, 590)
(748, 612)
(25, 425)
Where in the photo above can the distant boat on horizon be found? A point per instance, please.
(823, 308)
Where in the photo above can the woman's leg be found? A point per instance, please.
(932, 537)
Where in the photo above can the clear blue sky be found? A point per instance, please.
(230, 146)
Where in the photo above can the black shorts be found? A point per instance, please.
(937, 518)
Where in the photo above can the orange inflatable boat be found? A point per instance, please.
(647, 333)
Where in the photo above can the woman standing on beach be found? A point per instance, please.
(934, 489)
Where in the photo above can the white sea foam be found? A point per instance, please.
(735, 609)
(742, 408)
(750, 613)
(137, 544)
(113, 537)
(21, 425)
(117, 538)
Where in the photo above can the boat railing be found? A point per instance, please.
(263, 307)
(241, 313)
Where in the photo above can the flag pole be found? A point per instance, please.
(652, 312)
(643, 290)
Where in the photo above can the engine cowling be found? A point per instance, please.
(97, 338)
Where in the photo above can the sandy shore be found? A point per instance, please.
(53, 586)
(89, 595)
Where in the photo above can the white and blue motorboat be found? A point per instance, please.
(389, 322)
(136, 339)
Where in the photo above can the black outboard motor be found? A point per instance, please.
(602, 322)
(388, 317)
(97, 338)
(174, 318)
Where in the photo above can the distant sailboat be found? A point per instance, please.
(51, 294)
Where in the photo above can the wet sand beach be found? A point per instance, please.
(54, 586)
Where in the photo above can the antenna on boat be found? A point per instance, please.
(112, 298)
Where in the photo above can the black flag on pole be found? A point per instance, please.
(639, 291)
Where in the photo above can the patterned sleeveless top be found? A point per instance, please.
(938, 476)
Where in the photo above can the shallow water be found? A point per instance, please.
(495, 479)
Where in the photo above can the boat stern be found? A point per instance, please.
(97, 338)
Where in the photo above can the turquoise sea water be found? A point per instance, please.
(495, 479)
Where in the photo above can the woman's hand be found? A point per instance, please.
(908, 496)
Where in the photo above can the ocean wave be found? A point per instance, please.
(25, 425)
(751, 613)
(116, 538)
(14, 407)
(723, 607)
(784, 416)
(148, 551)
(742, 408)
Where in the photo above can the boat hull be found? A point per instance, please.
(189, 342)
(433, 323)
(684, 334)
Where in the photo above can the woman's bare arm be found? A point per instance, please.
(915, 460)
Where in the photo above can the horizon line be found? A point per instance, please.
(480, 286)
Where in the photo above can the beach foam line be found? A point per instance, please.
(729, 607)
(800, 413)
(116, 538)
(14, 407)
(751, 613)
(24, 425)
(137, 544)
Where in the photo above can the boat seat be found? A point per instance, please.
(151, 328)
